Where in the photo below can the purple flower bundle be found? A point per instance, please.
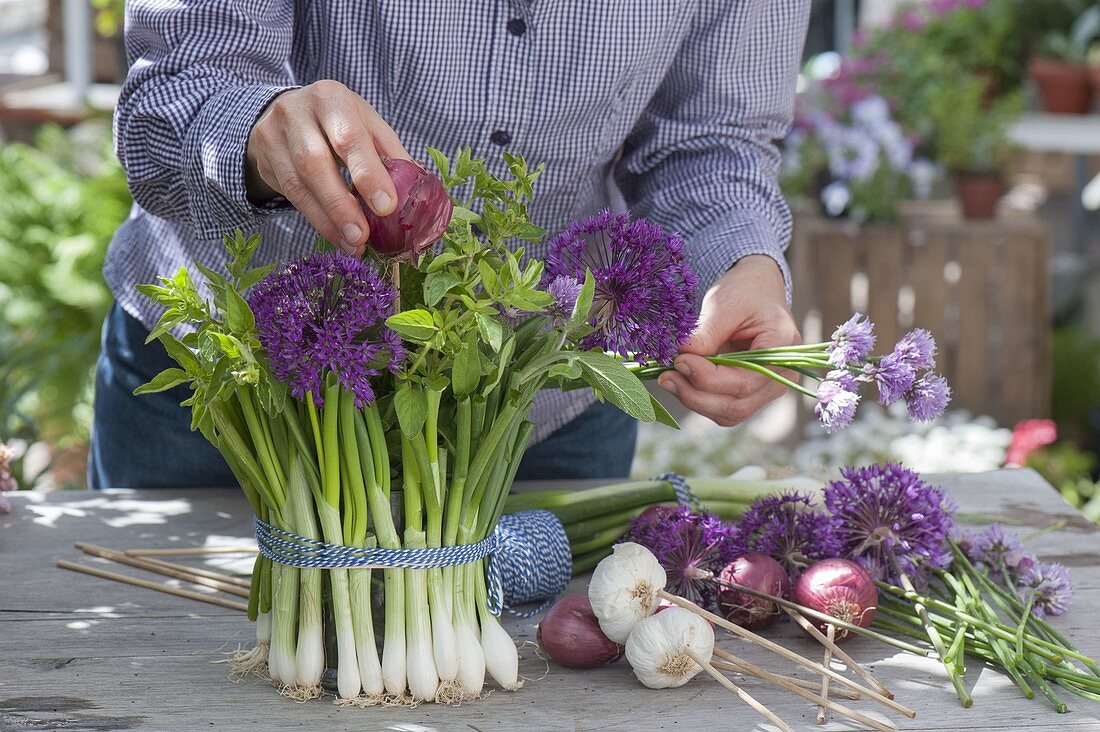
(325, 315)
(644, 302)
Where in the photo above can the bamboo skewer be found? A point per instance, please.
(96, 572)
(184, 551)
(139, 563)
(811, 696)
(831, 635)
(741, 693)
(788, 654)
(839, 652)
(731, 662)
(201, 572)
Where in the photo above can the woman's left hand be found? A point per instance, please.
(745, 308)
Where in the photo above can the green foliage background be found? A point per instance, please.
(62, 199)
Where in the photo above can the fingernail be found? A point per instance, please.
(668, 385)
(683, 368)
(380, 201)
(352, 233)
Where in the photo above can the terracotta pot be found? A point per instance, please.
(1064, 88)
(979, 193)
(1094, 80)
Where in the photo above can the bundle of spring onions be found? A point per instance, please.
(383, 404)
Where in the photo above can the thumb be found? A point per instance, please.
(709, 334)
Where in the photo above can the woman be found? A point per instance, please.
(248, 114)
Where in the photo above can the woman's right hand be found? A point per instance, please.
(299, 141)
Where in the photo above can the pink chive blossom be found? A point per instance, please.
(852, 341)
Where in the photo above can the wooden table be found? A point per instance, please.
(80, 653)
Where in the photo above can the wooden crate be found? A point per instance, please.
(981, 287)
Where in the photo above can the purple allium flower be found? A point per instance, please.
(836, 405)
(995, 545)
(565, 290)
(918, 349)
(790, 530)
(1050, 586)
(644, 302)
(890, 519)
(689, 546)
(893, 375)
(322, 314)
(852, 341)
(928, 397)
(967, 541)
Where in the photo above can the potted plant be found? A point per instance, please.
(971, 141)
(1061, 75)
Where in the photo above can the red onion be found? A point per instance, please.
(420, 218)
(570, 634)
(757, 572)
(839, 588)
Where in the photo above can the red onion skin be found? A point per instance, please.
(421, 216)
(839, 588)
(758, 572)
(570, 634)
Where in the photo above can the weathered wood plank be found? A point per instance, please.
(118, 657)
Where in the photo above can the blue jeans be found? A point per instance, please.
(147, 442)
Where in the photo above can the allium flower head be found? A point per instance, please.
(644, 304)
(890, 519)
(994, 545)
(689, 546)
(790, 530)
(928, 397)
(918, 349)
(325, 314)
(852, 341)
(836, 405)
(893, 375)
(1050, 585)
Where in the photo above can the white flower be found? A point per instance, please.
(624, 589)
(660, 648)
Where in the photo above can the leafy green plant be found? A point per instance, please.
(63, 200)
(970, 132)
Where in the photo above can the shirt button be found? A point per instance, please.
(500, 137)
(517, 27)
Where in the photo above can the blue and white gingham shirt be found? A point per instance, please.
(680, 101)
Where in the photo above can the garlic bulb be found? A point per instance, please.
(624, 589)
(660, 648)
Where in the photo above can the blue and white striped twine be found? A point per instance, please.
(529, 555)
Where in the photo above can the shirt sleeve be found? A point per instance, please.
(201, 72)
(702, 158)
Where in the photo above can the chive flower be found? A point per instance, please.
(837, 400)
(644, 301)
(892, 375)
(994, 546)
(326, 314)
(891, 521)
(927, 398)
(565, 290)
(852, 341)
(790, 530)
(1049, 588)
(918, 349)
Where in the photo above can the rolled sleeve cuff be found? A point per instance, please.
(719, 246)
(215, 149)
